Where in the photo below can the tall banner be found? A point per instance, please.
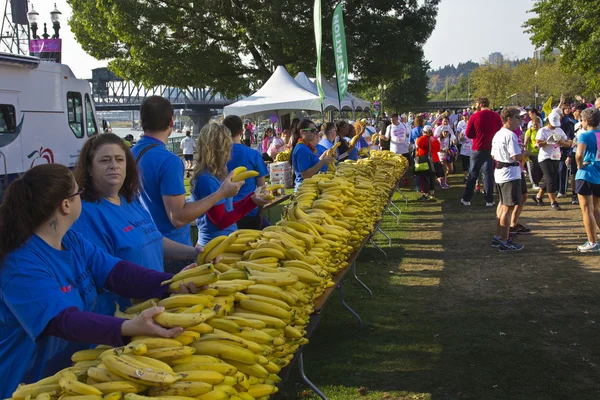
(319, 42)
(339, 49)
(48, 50)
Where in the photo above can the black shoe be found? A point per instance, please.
(520, 230)
(538, 201)
(555, 206)
(422, 198)
(575, 200)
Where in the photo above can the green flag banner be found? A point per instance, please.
(319, 42)
(339, 48)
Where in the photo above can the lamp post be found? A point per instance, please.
(34, 18)
(382, 89)
(536, 88)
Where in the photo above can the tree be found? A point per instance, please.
(492, 81)
(229, 45)
(572, 28)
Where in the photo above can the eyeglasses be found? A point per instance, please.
(77, 193)
(311, 130)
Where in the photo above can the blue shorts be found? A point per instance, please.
(585, 188)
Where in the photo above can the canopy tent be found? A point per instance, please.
(329, 103)
(358, 104)
(331, 92)
(280, 93)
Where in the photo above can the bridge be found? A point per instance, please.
(111, 93)
(455, 104)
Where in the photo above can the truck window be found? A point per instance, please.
(75, 113)
(91, 128)
(8, 119)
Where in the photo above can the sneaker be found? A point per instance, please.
(537, 200)
(589, 247)
(445, 186)
(431, 197)
(466, 203)
(560, 195)
(492, 204)
(512, 236)
(510, 246)
(422, 198)
(520, 230)
(575, 200)
(555, 206)
(496, 242)
(535, 187)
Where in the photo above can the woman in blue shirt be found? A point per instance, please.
(113, 217)
(50, 277)
(214, 151)
(587, 179)
(304, 160)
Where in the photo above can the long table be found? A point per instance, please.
(321, 301)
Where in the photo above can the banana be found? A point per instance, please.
(261, 390)
(279, 281)
(171, 353)
(221, 367)
(87, 355)
(194, 309)
(270, 291)
(201, 269)
(255, 370)
(272, 188)
(226, 351)
(185, 300)
(132, 396)
(215, 394)
(102, 375)
(232, 275)
(201, 328)
(267, 309)
(222, 267)
(81, 397)
(212, 377)
(226, 325)
(303, 275)
(220, 247)
(236, 171)
(182, 388)
(86, 364)
(131, 348)
(120, 386)
(154, 342)
(187, 337)
(272, 322)
(29, 391)
(264, 252)
(214, 242)
(244, 322)
(270, 300)
(255, 335)
(172, 320)
(138, 373)
(111, 396)
(69, 383)
(149, 362)
(139, 307)
(245, 175)
(198, 281)
(295, 225)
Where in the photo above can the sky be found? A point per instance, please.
(465, 30)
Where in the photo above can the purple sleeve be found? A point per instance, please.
(74, 325)
(133, 281)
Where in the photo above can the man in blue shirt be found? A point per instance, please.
(243, 156)
(161, 174)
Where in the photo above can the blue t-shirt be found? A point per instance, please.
(590, 172)
(302, 159)
(205, 185)
(353, 155)
(323, 145)
(161, 174)
(127, 232)
(243, 156)
(415, 133)
(38, 282)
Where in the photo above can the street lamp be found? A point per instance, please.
(536, 88)
(34, 17)
(382, 89)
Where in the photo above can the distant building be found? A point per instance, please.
(539, 53)
(496, 58)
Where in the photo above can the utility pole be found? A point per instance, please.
(446, 89)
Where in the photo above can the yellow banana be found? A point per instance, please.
(226, 351)
(212, 377)
(303, 275)
(208, 247)
(274, 187)
(220, 247)
(182, 388)
(264, 252)
(102, 375)
(171, 353)
(131, 348)
(149, 362)
(221, 367)
(255, 370)
(245, 175)
(172, 320)
(270, 300)
(201, 328)
(139, 307)
(226, 325)
(245, 322)
(267, 309)
(138, 373)
(29, 391)
(154, 342)
(261, 390)
(132, 396)
(187, 337)
(255, 335)
(87, 355)
(236, 171)
(201, 269)
(198, 281)
(279, 281)
(185, 300)
(120, 386)
(233, 274)
(69, 383)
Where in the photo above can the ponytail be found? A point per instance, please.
(31, 200)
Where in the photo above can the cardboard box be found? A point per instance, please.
(287, 182)
(281, 166)
(281, 175)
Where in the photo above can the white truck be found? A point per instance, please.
(46, 115)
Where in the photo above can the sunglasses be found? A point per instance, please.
(77, 193)
(312, 130)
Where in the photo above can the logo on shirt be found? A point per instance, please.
(66, 289)
(127, 228)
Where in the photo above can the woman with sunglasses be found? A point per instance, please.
(304, 160)
(214, 144)
(113, 217)
(50, 277)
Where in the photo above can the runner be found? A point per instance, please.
(188, 146)
(507, 154)
(398, 136)
(427, 177)
(587, 180)
(533, 165)
(571, 159)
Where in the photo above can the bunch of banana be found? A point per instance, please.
(240, 173)
(283, 156)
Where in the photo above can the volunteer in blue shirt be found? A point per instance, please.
(304, 160)
(417, 131)
(50, 277)
(162, 174)
(327, 141)
(587, 179)
(214, 144)
(243, 156)
(112, 215)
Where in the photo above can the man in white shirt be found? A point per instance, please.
(188, 146)
(507, 174)
(398, 134)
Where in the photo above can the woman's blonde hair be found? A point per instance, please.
(214, 149)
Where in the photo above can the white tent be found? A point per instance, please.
(280, 93)
(331, 92)
(328, 103)
(358, 104)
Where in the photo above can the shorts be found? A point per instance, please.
(523, 184)
(188, 157)
(439, 170)
(585, 188)
(510, 193)
(466, 162)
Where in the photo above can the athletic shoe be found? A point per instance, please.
(575, 200)
(492, 204)
(431, 197)
(422, 198)
(520, 230)
(510, 246)
(589, 248)
(560, 195)
(512, 236)
(466, 203)
(535, 187)
(445, 186)
(537, 200)
(496, 242)
(555, 206)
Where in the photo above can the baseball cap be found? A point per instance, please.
(427, 128)
(554, 118)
